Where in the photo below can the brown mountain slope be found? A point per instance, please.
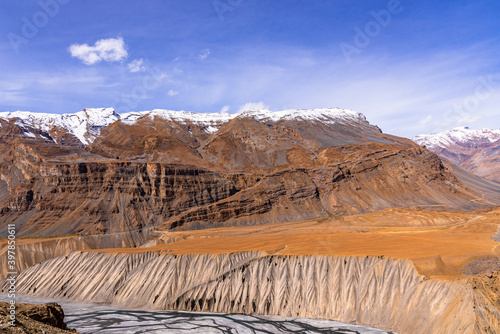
(248, 142)
(11, 129)
(152, 139)
(481, 159)
(368, 180)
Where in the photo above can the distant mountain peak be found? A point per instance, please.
(459, 135)
(473, 150)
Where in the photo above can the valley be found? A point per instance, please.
(298, 213)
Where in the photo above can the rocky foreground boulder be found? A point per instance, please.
(46, 318)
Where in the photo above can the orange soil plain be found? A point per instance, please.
(439, 243)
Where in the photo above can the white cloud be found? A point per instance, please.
(136, 65)
(204, 54)
(253, 106)
(172, 92)
(225, 109)
(109, 50)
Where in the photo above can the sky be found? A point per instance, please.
(411, 67)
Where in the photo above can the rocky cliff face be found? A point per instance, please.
(46, 197)
(368, 182)
(486, 302)
(381, 292)
(175, 170)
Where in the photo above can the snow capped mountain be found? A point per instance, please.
(86, 125)
(322, 114)
(214, 120)
(474, 150)
(211, 121)
(461, 135)
(327, 116)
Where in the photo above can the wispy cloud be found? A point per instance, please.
(252, 106)
(109, 50)
(60, 91)
(136, 65)
(204, 54)
(394, 93)
(405, 96)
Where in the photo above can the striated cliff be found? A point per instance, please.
(145, 179)
(347, 179)
(60, 198)
(377, 291)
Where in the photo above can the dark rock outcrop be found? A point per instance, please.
(46, 318)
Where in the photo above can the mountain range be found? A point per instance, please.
(98, 171)
(300, 213)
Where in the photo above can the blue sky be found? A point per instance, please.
(410, 66)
